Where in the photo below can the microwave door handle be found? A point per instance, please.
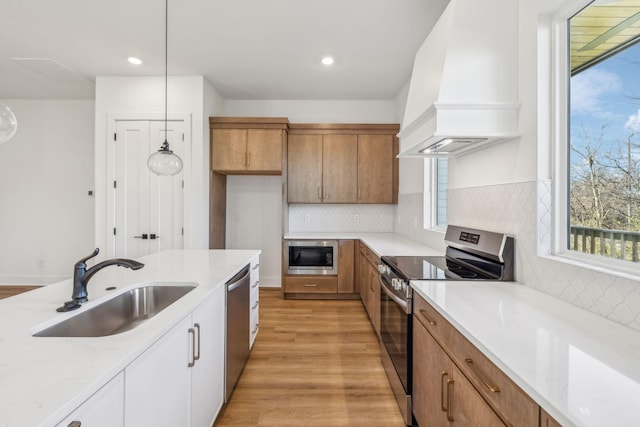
(394, 297)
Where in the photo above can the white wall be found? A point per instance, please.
(254, 221)
(143, 96)
(46, 171)
(301, 111)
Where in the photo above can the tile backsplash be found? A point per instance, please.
(523, 210)
(341, 218)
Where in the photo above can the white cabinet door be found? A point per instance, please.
(104, 409)
(157, 382)
(207, 375)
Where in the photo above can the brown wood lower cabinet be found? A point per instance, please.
(369, 283)
(311, 284)
(454, 384)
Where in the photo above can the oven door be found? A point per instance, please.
(395, 332)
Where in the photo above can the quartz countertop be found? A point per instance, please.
(44, 379)
(584, 370)
(380, 243)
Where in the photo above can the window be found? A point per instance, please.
(603, 150)
(436, 184)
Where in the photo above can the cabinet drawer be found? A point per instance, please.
(507, 399)
(311, 284)
(440, 328)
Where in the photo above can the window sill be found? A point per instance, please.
(597, 264)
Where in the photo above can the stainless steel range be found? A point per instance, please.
(470, 255)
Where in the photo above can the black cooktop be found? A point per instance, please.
(430, 268)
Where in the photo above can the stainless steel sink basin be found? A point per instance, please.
(119, 314)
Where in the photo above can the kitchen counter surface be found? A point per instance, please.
(584, 370)
(380, 243)
(44, 379)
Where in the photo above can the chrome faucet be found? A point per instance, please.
(81, 277)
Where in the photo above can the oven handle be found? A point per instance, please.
(404, 304)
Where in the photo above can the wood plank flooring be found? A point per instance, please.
(9, 290)
(314, 363)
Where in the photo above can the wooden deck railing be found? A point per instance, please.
(610, 243)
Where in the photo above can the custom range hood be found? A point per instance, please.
(463, 89)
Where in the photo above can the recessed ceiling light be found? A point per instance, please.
(133, 60)
(327, 60)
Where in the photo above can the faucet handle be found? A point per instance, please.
(88, 257)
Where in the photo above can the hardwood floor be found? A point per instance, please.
(8, 290)
(314, 363)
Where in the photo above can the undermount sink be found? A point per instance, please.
(120, 313)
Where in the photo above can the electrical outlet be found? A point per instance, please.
(307, 217)
(356, 218)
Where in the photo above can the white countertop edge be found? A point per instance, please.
(609, 331)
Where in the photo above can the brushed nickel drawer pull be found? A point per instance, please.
(192, 333)
(197, 326)
(310, 285)
(74, 424)
(423, 313)
(491, 388)
(256, 284)
(256, 328)
(255, 305)
(255, 267)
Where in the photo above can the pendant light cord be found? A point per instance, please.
(166, 62)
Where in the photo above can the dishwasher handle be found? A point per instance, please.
(238, 280)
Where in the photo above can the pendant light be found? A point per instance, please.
(8, 123)
(164, 161)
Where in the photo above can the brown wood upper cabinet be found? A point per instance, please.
(247, 145)
(342, 163)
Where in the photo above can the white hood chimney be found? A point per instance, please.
(463, 89)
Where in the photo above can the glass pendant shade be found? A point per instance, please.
(164, 161)
(8, 124)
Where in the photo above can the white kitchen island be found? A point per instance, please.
(43, 380)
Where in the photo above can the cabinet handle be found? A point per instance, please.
(358, 193)
(449, 400)
(443, 375)
(310, 285)
(197, 326)
(192, 332)
(256, 284)
(75, 424)
(491, 388)
(423, 313)
(255, 267)
(256, 328)
(255, 306)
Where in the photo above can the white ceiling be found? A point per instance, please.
(247, 49)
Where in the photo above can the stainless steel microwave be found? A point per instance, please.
(311, 256)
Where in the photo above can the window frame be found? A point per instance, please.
(558, 153)
(430, 208)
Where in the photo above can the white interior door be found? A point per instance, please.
(147, 209)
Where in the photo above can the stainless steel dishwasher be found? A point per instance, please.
(237, 339)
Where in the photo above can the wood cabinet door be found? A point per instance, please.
(430, 374)
(466, 405)
(304, 176)
(346, 267)
(228, 148)
(264, 150)
(340, 168)
(375, 168)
